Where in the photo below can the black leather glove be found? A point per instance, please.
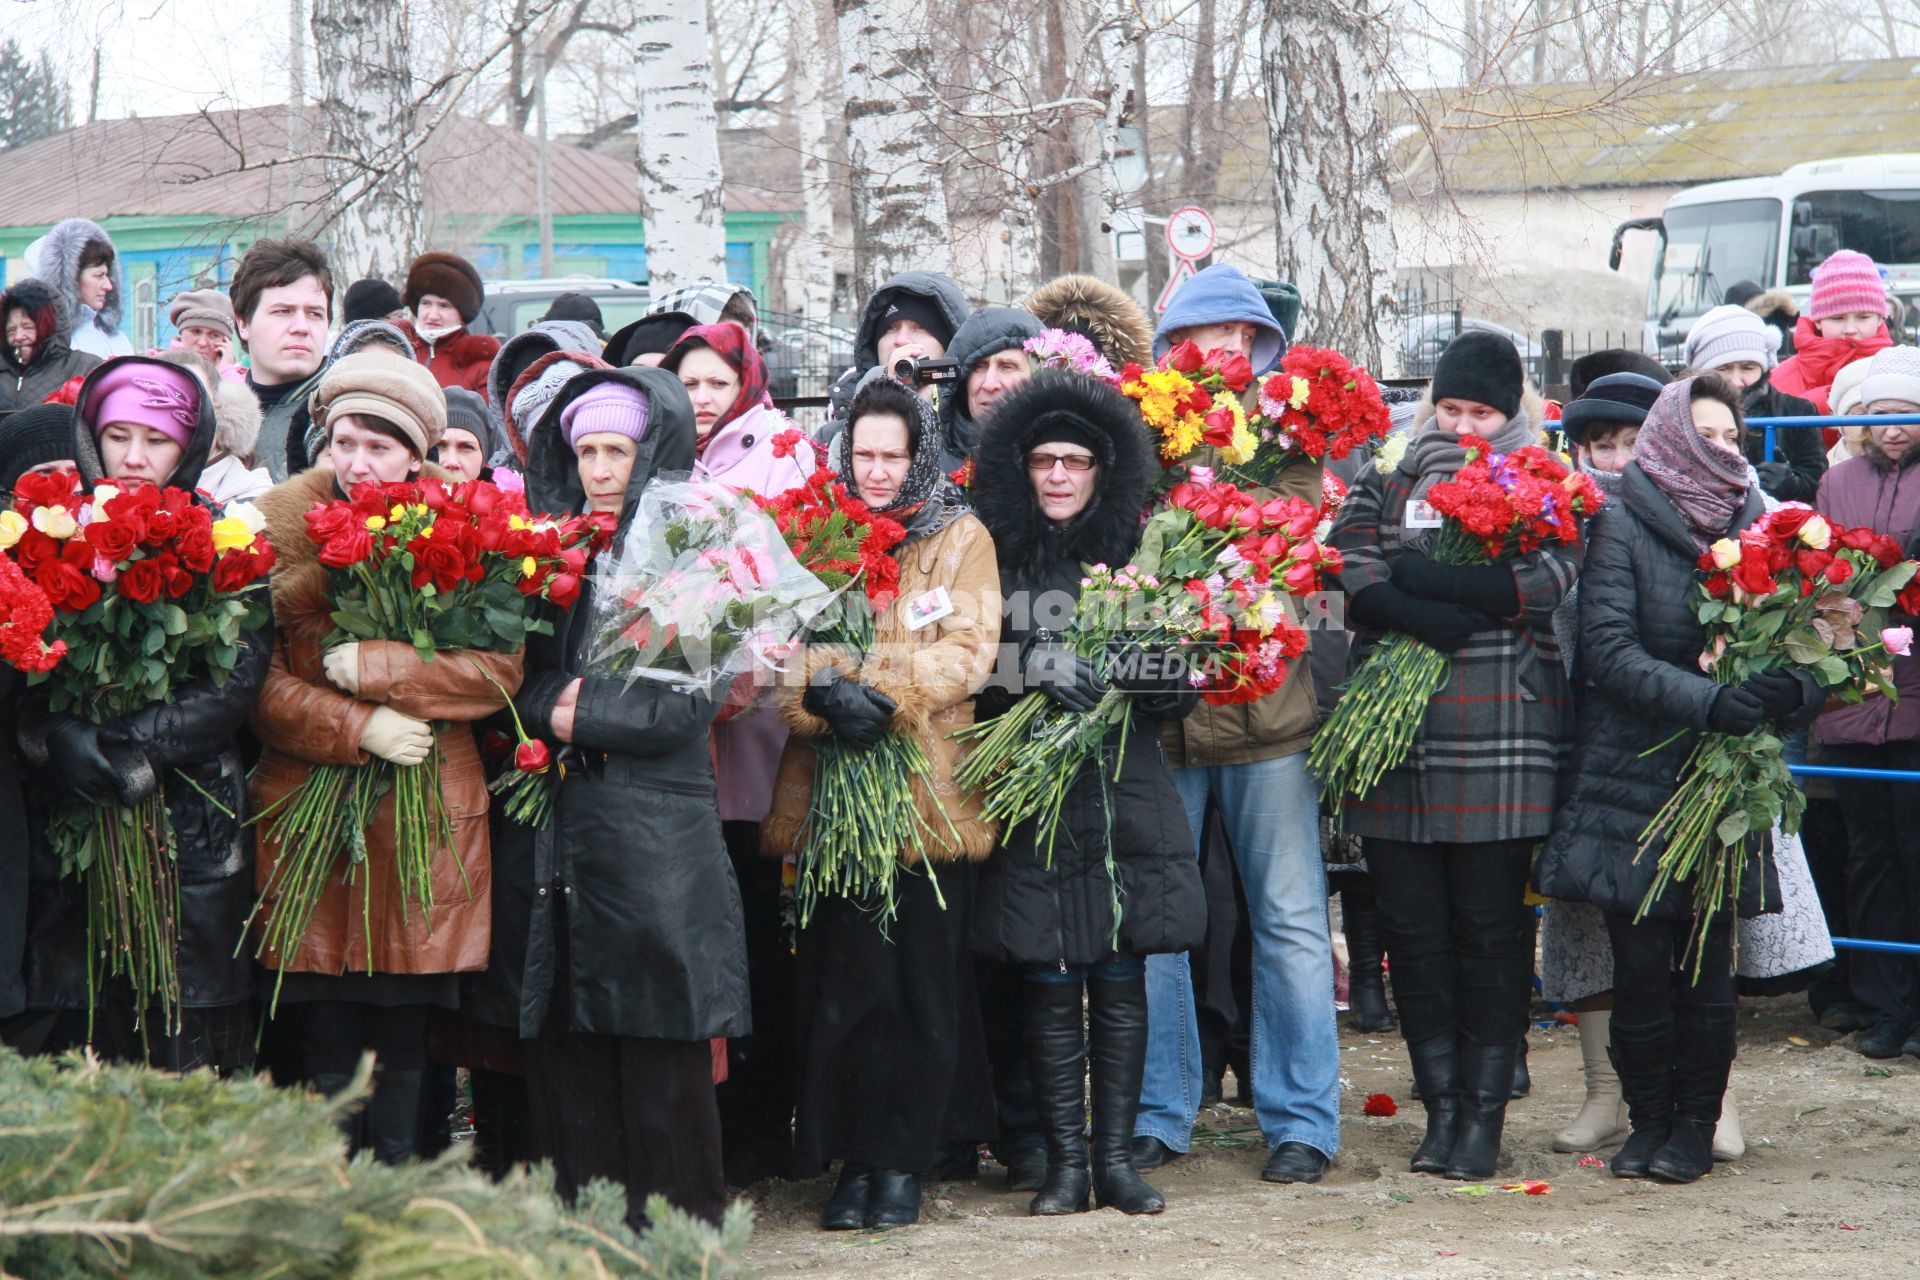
(1779, 692)
(858, 715)
(1487, 587)
(1063, 675)
(1774, 476)
(77, 756)
(1135, 668)
(1444, 625)
(1735, 711)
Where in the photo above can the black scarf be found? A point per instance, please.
(928, 500)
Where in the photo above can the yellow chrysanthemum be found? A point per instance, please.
(1182, 437)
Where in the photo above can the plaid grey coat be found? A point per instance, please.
(1485, 762)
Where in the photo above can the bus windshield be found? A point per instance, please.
(1884, 225)
(1711, 248)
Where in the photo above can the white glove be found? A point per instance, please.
(342, 666)
(395, 737)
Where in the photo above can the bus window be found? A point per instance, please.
(1884, 225)
(1711, 248)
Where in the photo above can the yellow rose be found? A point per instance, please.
(1816, 533)
(528, 566)
(231, 534)
(12, 525)
(55, 522)
(1726, 553)
(376, 523)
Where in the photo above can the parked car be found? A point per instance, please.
(513, 305)
(1427, 336)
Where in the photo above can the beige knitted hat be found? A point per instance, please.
(386, 386)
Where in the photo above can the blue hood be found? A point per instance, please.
(1219, 295)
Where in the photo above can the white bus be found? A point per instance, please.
(1772, 232)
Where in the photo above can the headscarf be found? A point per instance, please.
(1705, 482)
(928, 500)
(728, 341)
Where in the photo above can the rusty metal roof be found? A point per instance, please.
(193, 165)
(1671, 131)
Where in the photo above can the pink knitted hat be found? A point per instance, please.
(1847, 281)
(148, 394)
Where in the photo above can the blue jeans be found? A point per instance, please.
(1271, 812)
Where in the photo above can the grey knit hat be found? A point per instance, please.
(1728, 335)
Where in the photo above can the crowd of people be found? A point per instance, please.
(629, 990)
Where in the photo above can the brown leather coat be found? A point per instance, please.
(303, 720)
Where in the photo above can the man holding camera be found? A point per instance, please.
(904, 329)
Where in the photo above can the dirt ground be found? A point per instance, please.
(1826, 1189)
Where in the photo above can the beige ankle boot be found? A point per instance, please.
(1603, 1118)
(1729, 1143)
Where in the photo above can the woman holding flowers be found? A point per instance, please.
(1062, 474)
(1641, 648)
(371, 965)
(619, 950)
(142, 423)
(743, 442)
(1450, 831)
(892, 1059)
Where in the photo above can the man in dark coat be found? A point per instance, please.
(988, 349)
(915, 313)
(282, 304)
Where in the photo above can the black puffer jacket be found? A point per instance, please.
(655, 936)
(53, 361)
(1640, 645)
(191, 747)
(1801, 448)
(1029, 911)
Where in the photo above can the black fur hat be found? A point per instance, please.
(1055, 405)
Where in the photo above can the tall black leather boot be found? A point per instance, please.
(1119, 1050)
(1366, 983)
(393, 1115)
(1642, 1055)
(1436, 1075)
(1703, 1045)
(1057, 1057)
(1486, 1082)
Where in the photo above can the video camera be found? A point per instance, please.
(925, 373)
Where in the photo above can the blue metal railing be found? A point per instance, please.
(1846, 420)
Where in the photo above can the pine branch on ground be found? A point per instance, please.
(126, 1172)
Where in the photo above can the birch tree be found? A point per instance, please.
(899, 197)
(1334, 205)
(681, 195)
(814, 67)
(366, 101)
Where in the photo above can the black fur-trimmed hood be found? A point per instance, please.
(1028, 544)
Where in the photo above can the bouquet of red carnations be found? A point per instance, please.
(1497, 507)
(1192, 401)
(148, 590)
(1206, 584)
(863, 812)
(444, 568)
(1317, 406)
(1792, 590)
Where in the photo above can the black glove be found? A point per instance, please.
(857, 714)
(1063, 675)
(1735, 711)
(1774, 476)
(77, 756)
(1442, 624)
(1136, 668)
(1487, 587)
(1779, 693)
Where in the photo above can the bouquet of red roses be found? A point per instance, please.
(1206, 583)
(1497, 507)
(1317, 406)
(863, 812)
(444, 568)
(1792, 590)
(148, 589)
(1192, 401)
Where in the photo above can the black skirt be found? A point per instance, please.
(893, 1055)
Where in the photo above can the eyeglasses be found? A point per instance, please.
(1039, 462)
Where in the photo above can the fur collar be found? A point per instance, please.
(1026, 542)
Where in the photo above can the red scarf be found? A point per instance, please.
(1810, 372)
(728, 341)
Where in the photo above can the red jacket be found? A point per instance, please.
(460, 359)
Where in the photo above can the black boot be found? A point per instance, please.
(1436, 1075)
(1486, 1082)
(894, 1200)
(1522, 1078)
(846, 1208)
(353, 1123)
(393, 1115)
(1119, 1050)
(1057, 1058)
(1642, 1054)
(1703, 1058)
(1366, 986)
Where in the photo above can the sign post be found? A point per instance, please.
(1190, 237)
